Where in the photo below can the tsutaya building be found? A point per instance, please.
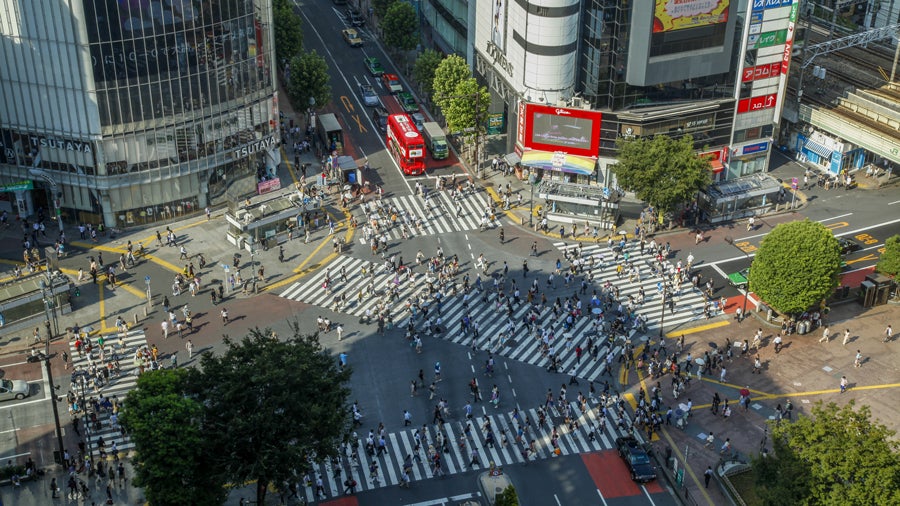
(714, 69)
(127, 113)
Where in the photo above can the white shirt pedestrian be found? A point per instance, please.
(190, 348)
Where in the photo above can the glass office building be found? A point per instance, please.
(128, 112)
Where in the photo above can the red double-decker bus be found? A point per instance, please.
(406, 144)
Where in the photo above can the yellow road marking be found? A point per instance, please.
(699, 328)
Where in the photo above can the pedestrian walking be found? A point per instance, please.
(707, 475)
(846, 337)
(858, 361)
(183, 251)
(190, 348)
(710, 439)
(373, 471)
(407, 418)
(843, 384)
(825, 333)
(726, 448)
(888, 334)
(224, 314)
(757, 365)
(339, 329)
(165, 328)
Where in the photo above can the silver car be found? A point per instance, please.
(370, 98)
(13, 389)
(418, 120)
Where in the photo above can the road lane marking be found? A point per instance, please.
(820, 221)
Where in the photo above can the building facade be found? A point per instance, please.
(128, 112)
(650, 67)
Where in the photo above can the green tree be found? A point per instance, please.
(661, 171)
(838, 456)
(400, 27)
(797, 265)
(287, 31)
(466, 110)
(451, 71)
(272, 404)
(172, 448)
(889, 263)
(508, 497)
(309, 78)
(424, 69)
(381, 7)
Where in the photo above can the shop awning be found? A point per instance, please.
(562, 162)
(512, 159)
(716, 166)
(818, 149)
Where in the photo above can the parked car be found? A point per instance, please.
(374, 66)
(392, 83)
(351, 36)
(13, 389)
(354, 17)
(379, 117)
(636, 459)
(407, 102)
(370, 98)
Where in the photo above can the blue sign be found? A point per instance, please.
(147, 279)
(836, 157)
(760, 5)
(759, 147)
(756, 17)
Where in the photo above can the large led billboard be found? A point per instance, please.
(671, 15)
(548, 128)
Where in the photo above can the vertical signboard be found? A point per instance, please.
(786, 62)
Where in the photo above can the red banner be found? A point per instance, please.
(762, 71)
(757, 103)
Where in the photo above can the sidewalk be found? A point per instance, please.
(805, 371)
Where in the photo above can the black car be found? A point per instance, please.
(354, 17)
(379, 117)
(636, 459)
(848, 245)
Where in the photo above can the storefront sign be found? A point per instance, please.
(39, 141)
(756, 103)
(494, 51)
(255, 147)
(17, 187)
(268, 186)
(759, 5)
(762, 71)
(759, 147)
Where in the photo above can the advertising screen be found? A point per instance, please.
(572, 131)
(671, 15)
(498, 25)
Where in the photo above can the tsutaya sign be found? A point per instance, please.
(38, 141)
(494, 51)
(255, 147)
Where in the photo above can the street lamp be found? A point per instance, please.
(79, 379)
(47, 302)
(531, 181)
(730, 241)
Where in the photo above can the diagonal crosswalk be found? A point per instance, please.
(587, 430)
(439, 214)
(502, 327)
(120, 380)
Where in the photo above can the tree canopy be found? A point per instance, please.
(839, 456)
(889, 263)
(449, 74)
(163, 423)
(400, 26)
(508, 497)
(381, 6)
(467, 111)
(258, 412)
(287, 31)
(309, 78)
(424, 69)
(661, 171)
(273, 404)
(797, 266)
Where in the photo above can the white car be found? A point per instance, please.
(13, 389)
(370, 98)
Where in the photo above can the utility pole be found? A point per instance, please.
(59, 439)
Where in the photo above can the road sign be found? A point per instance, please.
(147, 279)
(795, 183)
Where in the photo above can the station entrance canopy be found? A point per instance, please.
(561, 162)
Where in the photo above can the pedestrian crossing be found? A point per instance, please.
(439, 214)
(119, 348)
(500, 330)
(587, 431)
